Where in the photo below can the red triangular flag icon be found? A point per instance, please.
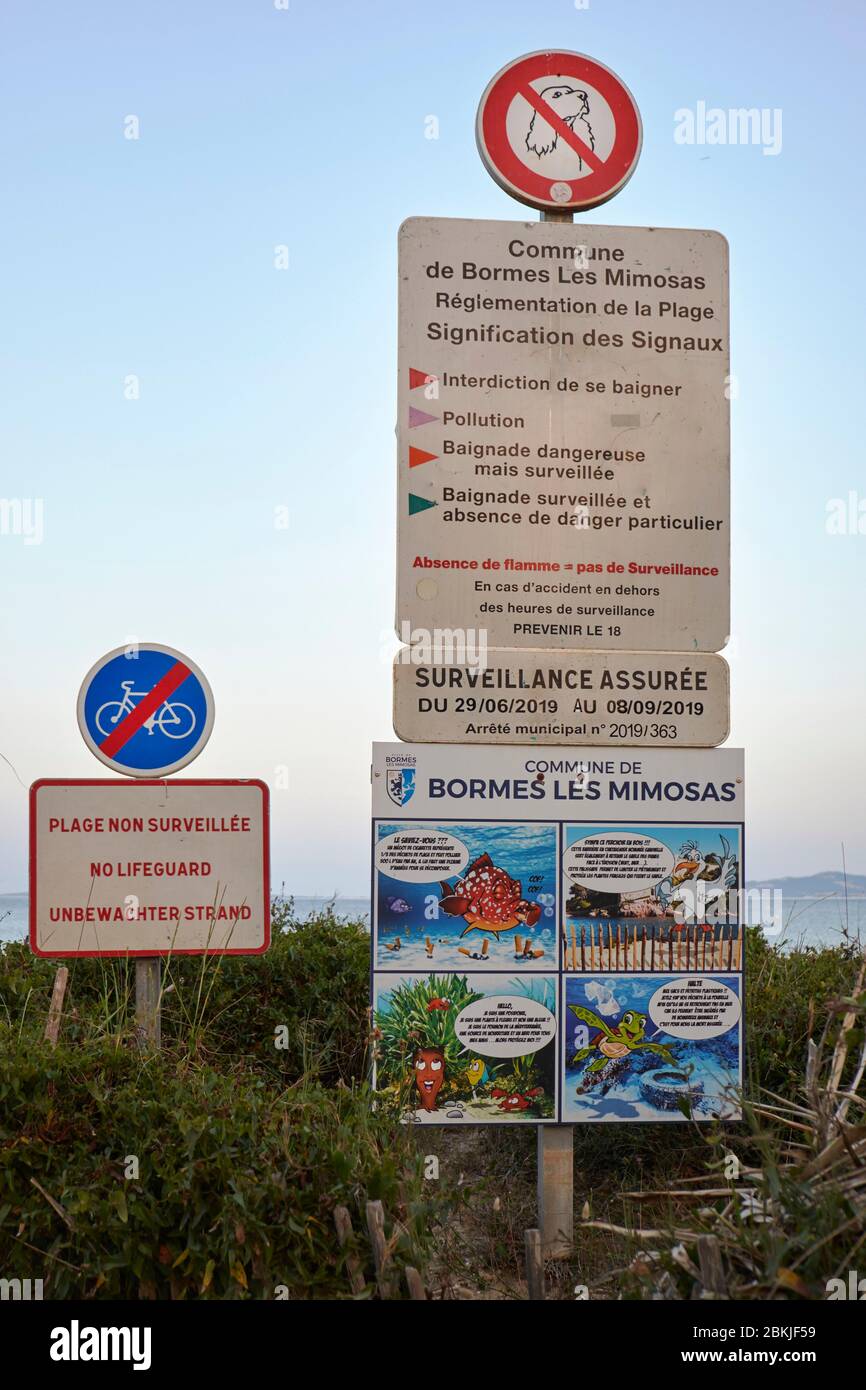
(417, 456)
(417, 378)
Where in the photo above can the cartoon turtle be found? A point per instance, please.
(627, 1036)
(488, 899)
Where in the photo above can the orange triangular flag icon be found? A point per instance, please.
(418, 456)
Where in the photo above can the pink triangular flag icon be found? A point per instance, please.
(420, 417)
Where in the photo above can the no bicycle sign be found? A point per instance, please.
(145, 711)
(558, 130)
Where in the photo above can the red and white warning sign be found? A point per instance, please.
(149, 868)
(558, 130)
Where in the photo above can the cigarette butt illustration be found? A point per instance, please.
(476, 955)
(428, 946)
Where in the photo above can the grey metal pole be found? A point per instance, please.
(556, 1142)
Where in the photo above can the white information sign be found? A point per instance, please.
(149, 868)
(569, 698)
(563, 434)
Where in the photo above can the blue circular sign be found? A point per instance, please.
(145, 710)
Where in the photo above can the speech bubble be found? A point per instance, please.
(421, 855)
(617, 861)
(505, 1025)
(695, 1008)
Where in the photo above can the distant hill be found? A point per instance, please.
(815, 885)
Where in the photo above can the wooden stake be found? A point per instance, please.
(55, 1012)
(376, 1227)
(534, 1264)
(343, 1223)
(148, 1022)
(712, 1269)
(415, 1285)
(556, 1189)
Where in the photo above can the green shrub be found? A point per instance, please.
(313, 982)
(237, 1180)
(786, 998)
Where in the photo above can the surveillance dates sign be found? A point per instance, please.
(576, 699)
(563, 435)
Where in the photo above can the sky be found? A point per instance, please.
(264, 395)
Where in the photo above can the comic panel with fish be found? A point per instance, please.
(454, 895)
(466, 1049)
(662, 1048)
(651, 897)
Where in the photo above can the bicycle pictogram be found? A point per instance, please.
(173, 718)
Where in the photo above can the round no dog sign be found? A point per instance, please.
(145, 711)
(558, 130)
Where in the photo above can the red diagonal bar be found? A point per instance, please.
(562, 128)
(165, 686)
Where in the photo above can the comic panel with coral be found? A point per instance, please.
(657, 1048)
(477, 1048)
(453, 895)
(651, 898)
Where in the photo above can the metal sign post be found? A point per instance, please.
(556, 1145)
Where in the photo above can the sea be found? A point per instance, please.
(14, 923)
(802, 921)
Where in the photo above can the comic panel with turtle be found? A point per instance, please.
(453, 895)
(466, 1049)
(637, 1047)
(651, 897)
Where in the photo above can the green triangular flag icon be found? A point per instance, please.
(418, 504)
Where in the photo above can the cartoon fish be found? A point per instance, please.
(488, 899)
(476, 1073)
(613, 1043)
(438, 1004)
(398, 904)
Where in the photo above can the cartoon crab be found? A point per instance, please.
(488, 899)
